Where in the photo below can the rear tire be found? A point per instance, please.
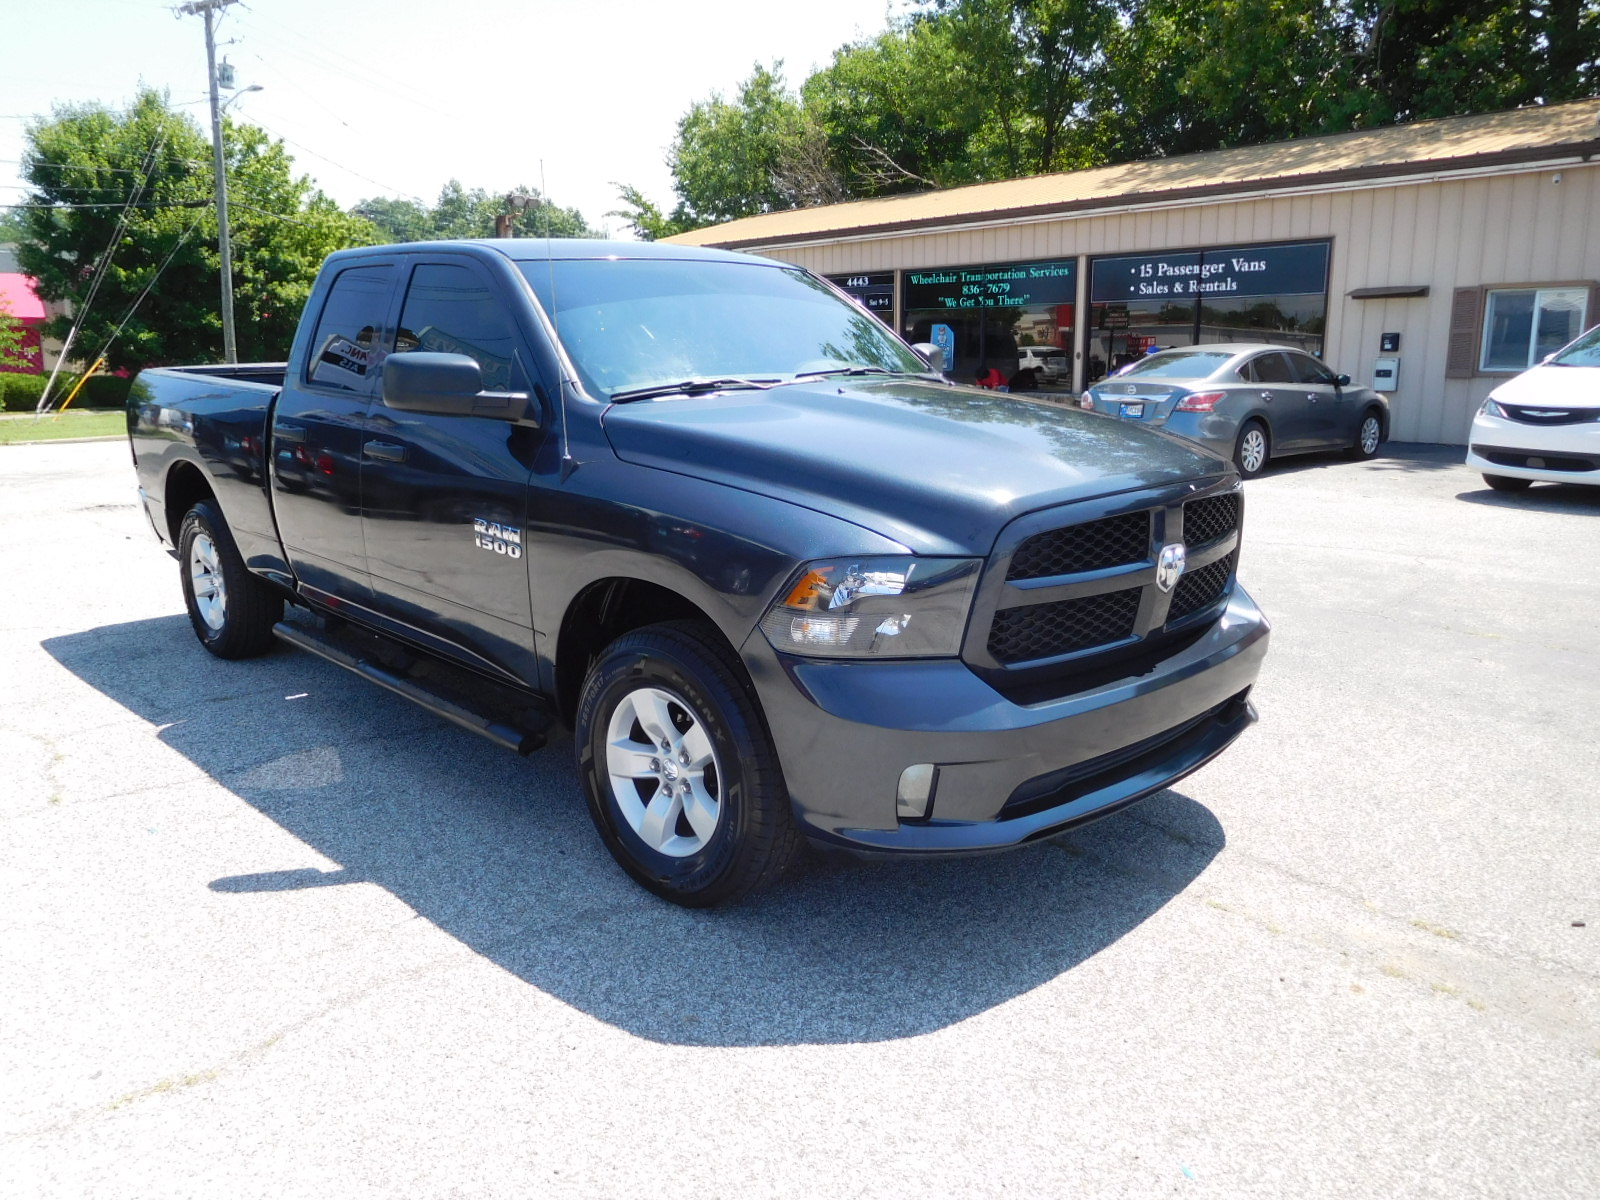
(681, 777)
(1252, 450)
(231, 610)
(1507, 483)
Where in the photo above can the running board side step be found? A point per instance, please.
(523, 741)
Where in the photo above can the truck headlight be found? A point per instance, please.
(901, 607)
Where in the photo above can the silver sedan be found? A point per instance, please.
(1249, 402)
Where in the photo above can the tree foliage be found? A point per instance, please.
(470, 213)
(962, 91)
(128, 195)
(11, 332)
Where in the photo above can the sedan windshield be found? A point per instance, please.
(1585, 352)
(645, 325)
(1178, 364)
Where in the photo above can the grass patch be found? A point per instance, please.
(57, 427)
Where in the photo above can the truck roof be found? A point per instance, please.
(541, 249)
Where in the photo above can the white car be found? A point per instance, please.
(1049, 361)
(1544, 424)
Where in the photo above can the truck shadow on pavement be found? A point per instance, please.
(499, 853)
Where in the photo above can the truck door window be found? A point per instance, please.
(346, 350)
(449, 310)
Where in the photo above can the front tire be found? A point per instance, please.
(1507, 483)
(1252, 450)
(1368, 437)
(679, 771)
(231, 610)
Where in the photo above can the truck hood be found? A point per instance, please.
(939, 469)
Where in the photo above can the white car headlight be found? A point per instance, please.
(1491, 408)
(889, 607)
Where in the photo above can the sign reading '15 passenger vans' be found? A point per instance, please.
(1300, 269)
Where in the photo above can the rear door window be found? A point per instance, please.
(346, 348)
(1268, 368)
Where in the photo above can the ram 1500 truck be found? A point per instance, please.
(782, 580)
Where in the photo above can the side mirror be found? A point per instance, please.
(446, 385)
(1343, 381)
(933, 354)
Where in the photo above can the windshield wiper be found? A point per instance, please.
(691, 387)
(846, 371)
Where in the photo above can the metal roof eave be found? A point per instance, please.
(1553, 154)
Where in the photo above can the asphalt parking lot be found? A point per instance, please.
(266, 930)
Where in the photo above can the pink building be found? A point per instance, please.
(18, 301)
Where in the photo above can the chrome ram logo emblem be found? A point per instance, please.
(1169, 567)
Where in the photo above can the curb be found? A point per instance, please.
(110, 437)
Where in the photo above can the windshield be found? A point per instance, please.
(1585, 352)
(1178, 364)
(631, 324)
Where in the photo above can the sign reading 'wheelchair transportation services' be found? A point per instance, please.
(1294, 270)
(1004, 285)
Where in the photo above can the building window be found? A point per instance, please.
(1522, 325)
(984, 316)
(1142, 302)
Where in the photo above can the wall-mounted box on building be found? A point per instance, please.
(1385, 374)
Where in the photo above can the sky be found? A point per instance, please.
(395, 98)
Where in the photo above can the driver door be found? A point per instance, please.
(445, 498)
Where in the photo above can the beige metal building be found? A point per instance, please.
(1433, 259)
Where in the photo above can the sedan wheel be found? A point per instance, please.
(1508, 483)
(1251, 450)
(1368, 437)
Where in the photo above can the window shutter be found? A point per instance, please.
(1466, 316)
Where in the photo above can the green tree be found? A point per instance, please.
(645, 218)
(471, 213)
(960, 91)
(757, 153)
(128, 195)
(11, 331)
(397, 220)
(895, 113)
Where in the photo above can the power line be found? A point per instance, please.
(146, 204)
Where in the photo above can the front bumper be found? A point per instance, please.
(1549, 453)
(1007, 773)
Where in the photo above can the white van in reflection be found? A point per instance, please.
(1049, 361)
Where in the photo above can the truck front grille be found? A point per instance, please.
(1210, 520)
(1092, 546)
(1069, 592)
(1200, 589)
(1046, 630)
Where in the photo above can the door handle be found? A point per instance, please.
(289, 433)
(1267, 396)
(387, 451)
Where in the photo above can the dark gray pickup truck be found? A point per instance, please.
(782, 580)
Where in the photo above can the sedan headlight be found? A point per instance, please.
(901, 607)
(1491, 408)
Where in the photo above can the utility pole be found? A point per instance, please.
(208, 9)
